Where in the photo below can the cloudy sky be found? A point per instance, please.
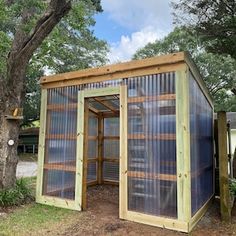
(128, 25)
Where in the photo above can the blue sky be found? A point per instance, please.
(128, 25)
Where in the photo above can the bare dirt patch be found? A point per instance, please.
(101, 218)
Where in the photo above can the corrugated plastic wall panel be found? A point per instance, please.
(201, 134)
(152, 145)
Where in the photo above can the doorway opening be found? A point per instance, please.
(101, 149)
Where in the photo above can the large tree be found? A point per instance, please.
(24, 26)
(213, 21)
(219, 72)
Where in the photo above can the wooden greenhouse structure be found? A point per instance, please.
(145, 125)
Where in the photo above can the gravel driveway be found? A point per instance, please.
(26, 169)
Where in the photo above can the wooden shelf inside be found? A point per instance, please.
(151, 98)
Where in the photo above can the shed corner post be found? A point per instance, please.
(123, 189)
(183, 157)
(41, 147)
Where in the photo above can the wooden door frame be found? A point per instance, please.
(82, 124)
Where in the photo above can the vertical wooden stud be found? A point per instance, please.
(183, 146)
(42, 133)
(79, 151)
(123, 190)
(225, 201)
(85, 155)
(100, 149)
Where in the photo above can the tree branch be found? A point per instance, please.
(22, 50)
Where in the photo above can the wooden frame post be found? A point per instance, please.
(41, 148)
(183, 145)
(123, 190)
(100, 149)
(225, 201)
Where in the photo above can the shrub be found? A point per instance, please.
(233, 186)
(19, 194)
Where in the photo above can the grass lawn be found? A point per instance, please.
(30, 218)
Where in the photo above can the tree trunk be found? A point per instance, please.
(12, 86)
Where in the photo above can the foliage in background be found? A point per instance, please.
(213, 21)
(218, 71)
(70, 46)
(17, 195)
(233, 187)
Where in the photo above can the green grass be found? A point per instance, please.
(30, 218)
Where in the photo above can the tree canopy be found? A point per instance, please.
(70, 46)
(213, 21)
(218, 71)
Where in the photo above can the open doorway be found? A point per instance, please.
(101, 149)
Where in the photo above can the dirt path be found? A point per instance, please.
(101, 218)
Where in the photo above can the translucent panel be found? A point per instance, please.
(60, 146)
(111, 148)
(201, 128)
(92, 148)
(93, 126)
(92, 172)
(111, 126)
(59, 183)
(152, 145)
(111, 171)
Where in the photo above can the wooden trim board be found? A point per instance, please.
(183, 146)
(112, 69)
(163, 222)
(41, 148)
(123, 190)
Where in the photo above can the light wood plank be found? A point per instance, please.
(85, 154)
(144, 175)
(183, 146)
(163, 97)
(123, 193)
(154, 137)
(79, 151)
(163, 222)
(41, 148)
(100, 149)
(118, 75)
(111, 69)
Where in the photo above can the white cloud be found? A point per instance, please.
(128, 45)
(138, 14)
(149, 20)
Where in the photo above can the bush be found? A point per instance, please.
(233, 186)
(19, 194)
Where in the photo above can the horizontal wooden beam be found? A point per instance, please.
(116, 76)
(144, 175)
(151, 98)
(154, 137)
(111, 137)
(112, 69)
(61, 136)
(62, 107)
(115, 160)
(59, 166)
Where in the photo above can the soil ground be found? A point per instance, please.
(101, 218)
